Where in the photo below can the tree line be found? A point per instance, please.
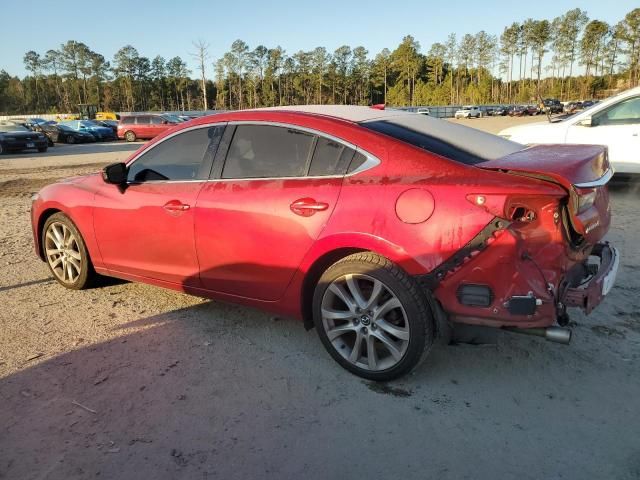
(568, 57)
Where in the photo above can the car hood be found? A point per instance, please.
(20, 134)
(532, 129)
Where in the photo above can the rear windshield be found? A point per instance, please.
(455, 142)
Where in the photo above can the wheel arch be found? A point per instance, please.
(42, 219)
(331, 249)
(315, 271)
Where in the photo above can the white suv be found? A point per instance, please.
(614, 122)
(468, 111)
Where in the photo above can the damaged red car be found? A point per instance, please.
(373, 226)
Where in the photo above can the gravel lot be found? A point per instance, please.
(132, 381)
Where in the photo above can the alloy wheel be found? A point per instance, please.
(63, 253)
(365, 322)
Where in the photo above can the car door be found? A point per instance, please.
(273, 192)
(146, 227)
(618, 127)
(143, 126)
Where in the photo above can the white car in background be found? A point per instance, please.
(423, 111)
(614, 122)
(468, 111)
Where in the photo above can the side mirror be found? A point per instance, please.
(586, 122)
(116, 173)
(165, 122)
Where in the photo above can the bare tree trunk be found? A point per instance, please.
(202, 55)
(385, 83)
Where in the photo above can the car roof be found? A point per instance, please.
(479, 143)
(350, 113)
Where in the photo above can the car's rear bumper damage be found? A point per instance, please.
(585, 286)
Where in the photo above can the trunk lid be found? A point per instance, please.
(566, 165)
(582, 170)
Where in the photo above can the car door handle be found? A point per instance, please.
(176, 206)
(305, 207)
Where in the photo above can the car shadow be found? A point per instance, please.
(219, 391)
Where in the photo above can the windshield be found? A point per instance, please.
(455, 142)
(12, 127)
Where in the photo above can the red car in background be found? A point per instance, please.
(144, 126)
(373, 226)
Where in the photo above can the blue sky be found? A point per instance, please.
(168, 27)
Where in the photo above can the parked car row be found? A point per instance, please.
(572, 107)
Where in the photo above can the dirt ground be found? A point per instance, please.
(129, 381)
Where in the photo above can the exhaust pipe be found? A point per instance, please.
(552, 334)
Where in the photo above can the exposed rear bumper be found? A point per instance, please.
(589, 295)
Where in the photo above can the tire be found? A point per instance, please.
(1, 149)
(42, 149)
(66, 253)
(130, 136)
(388, 314)
(70, 139)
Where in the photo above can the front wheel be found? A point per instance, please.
(42, 149)
(66, 253)
(71, 139)
(372, 317)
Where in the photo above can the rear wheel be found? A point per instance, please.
(42, 149)
(372, 317)
(66, 253)
(70, 139)
(130, 136)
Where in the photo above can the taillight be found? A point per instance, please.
(584, 199)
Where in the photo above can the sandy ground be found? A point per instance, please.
(129, 381)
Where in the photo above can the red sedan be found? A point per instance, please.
(374, 227)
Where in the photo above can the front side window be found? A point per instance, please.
(143, 120)
(626, 112)
(260, 151)
(156, 120)
(186, 156)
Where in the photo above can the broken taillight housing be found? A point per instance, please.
(584, 199)
(512, 208)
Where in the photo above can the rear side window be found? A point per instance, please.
(186, 156)
(143, 120)
(260, 151)
(127, 120)
(330, 158)
(357, 161)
